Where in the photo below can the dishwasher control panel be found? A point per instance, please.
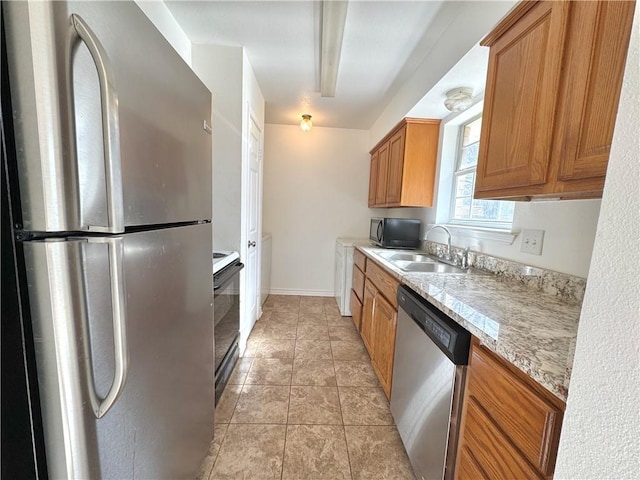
(443, 336)
(450, 337)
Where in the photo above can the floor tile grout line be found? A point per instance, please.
(344, 431)
(286, 428)
(219, 448)
(213, 465)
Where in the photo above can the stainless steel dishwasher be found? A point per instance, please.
(429, 368)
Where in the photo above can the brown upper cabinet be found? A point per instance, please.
(553, 86)
(403, 165)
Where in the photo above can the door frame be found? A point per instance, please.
(246, 323)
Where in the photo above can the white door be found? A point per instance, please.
(252, 292)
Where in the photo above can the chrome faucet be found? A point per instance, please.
(448, 254)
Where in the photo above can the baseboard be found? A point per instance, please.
(302, 293)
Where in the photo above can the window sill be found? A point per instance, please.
(480, 233)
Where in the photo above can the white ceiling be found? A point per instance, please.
(384, 42)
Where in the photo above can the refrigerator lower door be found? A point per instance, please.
(109, 120)
(154, 417)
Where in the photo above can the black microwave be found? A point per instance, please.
(395, 232)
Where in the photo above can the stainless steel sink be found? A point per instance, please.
(407, 257)
(432, 268)
(419, 262)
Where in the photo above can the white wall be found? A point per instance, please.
(165, 22)
(315, 190)
(220, 69)
(601, 432)
(227, 73)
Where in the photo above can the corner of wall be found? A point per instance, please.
(165, 22)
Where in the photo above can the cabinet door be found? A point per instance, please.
(356, 310)
(491, 449)
(383, 174)
(366, 326)
(396, 165)
(510, 425)
(384, 341)
(357, 282)
(532, 422)
(467, 467)
(373, 178)
(520, 101)
(594, 64)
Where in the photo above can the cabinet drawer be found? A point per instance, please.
(524, 415)
(356, 309)
(360, 260)
(492, 451)
(358, 282)
(385, 283)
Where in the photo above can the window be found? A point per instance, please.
(464, 208)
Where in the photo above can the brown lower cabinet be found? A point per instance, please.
(378, 319)
(385, 319)
(366, 326)
(356, 309)
(510, 425)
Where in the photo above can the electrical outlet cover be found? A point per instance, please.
(532, 241)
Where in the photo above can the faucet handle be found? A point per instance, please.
(463, 257)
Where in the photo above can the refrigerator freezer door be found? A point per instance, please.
(98, 94)
(161, 423)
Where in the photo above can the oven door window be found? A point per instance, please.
(226, 317)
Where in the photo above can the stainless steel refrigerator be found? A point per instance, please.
(113, 231)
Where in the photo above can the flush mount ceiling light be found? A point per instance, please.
(334, 14)
(459, 99)
(306, 124)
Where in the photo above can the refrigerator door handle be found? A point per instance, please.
(119, 308)
(110, 125)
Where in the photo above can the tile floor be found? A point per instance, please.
(304, 403)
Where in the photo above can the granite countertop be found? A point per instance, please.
(533, 330)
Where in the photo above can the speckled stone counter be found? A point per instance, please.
(533, 330)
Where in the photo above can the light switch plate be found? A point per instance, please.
(532, 241)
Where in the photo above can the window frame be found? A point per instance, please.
(456, 173)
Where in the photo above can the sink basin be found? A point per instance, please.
(431, 268)
(413, 257)
(407, 257)
(419, 262)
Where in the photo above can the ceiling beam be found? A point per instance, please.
(334, 14)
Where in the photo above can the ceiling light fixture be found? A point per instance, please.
(306, 124)
(459, 99)
(334, 14)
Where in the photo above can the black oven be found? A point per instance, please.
(226, 321)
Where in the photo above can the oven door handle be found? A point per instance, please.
(221, 279)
